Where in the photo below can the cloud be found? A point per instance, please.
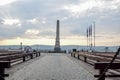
(39, 34)
(23, 18)
(11, 22)
(37, 21)
(32, 32)
(33, 21)
(5, 2)
(83, 8)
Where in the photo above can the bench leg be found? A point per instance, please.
(23, 58)
(39, 54)
(2, 72)
(31, 56)
(73, 55)
(78, 56)
(36, 54)
(85, 59)
(103, 76)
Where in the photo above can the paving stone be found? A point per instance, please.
(52, 67)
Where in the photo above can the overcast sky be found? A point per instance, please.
(34, 21)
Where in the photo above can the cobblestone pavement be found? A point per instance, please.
(52, 67)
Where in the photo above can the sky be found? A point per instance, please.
(34, 21)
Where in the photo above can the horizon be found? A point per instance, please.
(39, 26)
(61, 45)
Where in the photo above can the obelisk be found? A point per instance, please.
(57, 48)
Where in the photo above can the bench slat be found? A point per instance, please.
(4, 64)
(103, 65)
(108, 75)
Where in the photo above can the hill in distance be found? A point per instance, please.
(66, 47)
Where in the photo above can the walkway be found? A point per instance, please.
(52, 67)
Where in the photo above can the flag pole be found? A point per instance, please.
(87, 38)
(91, 36)
(94, 34)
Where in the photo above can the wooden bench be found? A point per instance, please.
(102, 65)
(3, 65)
(6, 60)
(17, 57)
(87, 55)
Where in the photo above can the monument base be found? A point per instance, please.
(57, 51)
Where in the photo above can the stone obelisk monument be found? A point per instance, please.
(57, 42)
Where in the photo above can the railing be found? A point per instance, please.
(3, 65)
(102, 66)
(91, 58)
(18, 56)
(7, 59)
(101, 61)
